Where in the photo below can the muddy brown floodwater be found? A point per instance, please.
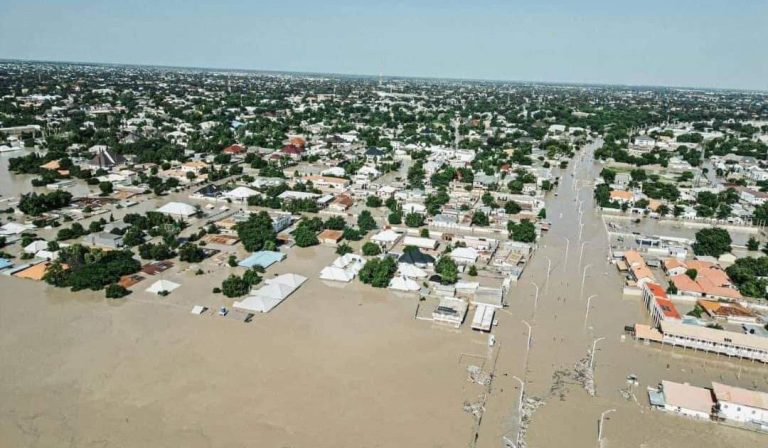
(345, 365)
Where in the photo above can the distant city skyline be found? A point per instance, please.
(703, 44)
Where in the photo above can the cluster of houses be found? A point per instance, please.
(721, 322)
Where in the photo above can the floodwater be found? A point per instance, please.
(563, 333)
(14, 185)
(344, 365)
(331, 366)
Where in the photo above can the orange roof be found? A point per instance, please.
(344, 199)
(623, 195)
(37, 271)
(297, 141)
(724, 309)
(672, 263)
(633, 257)
(710, 280)
(684, 283)
(642, 271)
(647, 332)
(330, 234)
(656, 290)
(668, 308)
(52, 165)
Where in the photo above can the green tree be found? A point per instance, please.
(608, 175)
(377, 272)
(365, 221)
(370, 249)
(512, 208)
(449, 272)
(713, 241)
(753, 244)
(373, 202)
(395, 218)
(256, 232)
(304, 236)
(191, 253)
(414, 219)
(524, 232)
(234, 286)
(115, 291)
(480, 219)
(344, 249)
(106, 188)
(692, 273)
(335, 223)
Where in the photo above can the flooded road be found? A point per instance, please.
(562, 334)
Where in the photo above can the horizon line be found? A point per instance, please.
(363, 75)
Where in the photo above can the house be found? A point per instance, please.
(741, 405)
(421, 243)
(686, 400)
(104, 239)
(450, 311)
(240, 194)
(386, 238)
(639, 271)
(373, 154)
(262, 259)
(403, 283)
(343, 269)
(417, 258)
(622, 197)
(710, 279)
(103, 158)
(327, 183)
(271, 294)
(728, 311)
(294, 152)
(658, 304)
(234, 149)
(341, 203)
(729, 343)
(464, 255)
(330, 237)
(178, 209)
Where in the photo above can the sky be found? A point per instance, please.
(685, 43)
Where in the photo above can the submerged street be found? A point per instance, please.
(563, 330)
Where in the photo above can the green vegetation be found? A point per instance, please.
(414, 220)
(365, 221)
(305, 235)
(370, 249)
(524, 232)
(90, 268)
(115, 291)
(343, 249)
(714, 241)
(449, 272)
(378, 272)
(257, 232)
(191, 253)
(36, 204)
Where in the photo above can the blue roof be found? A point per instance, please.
(5, 263)
(264, 258)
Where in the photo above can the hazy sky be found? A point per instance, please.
(700, 43)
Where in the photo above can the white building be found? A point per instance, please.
(742, 405)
